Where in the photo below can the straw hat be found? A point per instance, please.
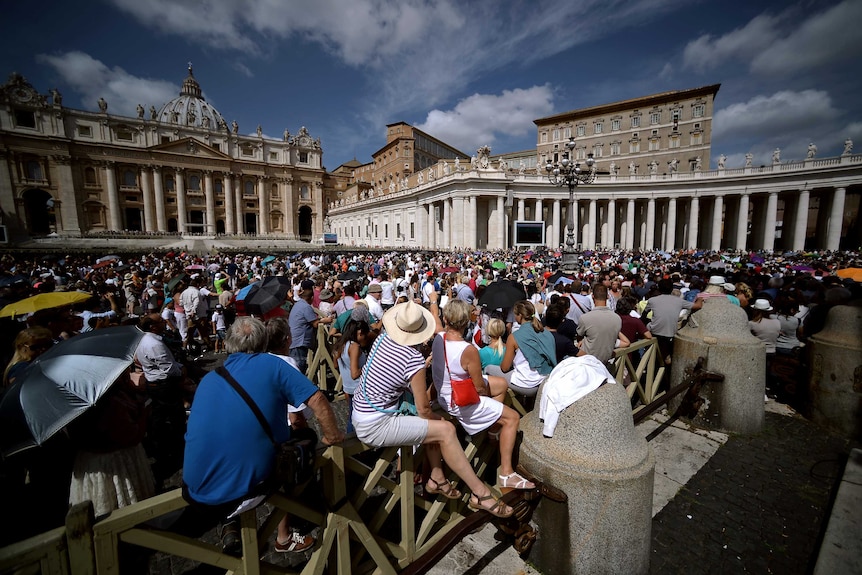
(716, 280)
(409, 323)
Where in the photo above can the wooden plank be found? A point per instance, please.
(320, 556)
(250, 546)
(79, 536)
(33, 550)
(181, 546)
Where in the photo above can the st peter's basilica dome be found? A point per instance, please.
(190, 108)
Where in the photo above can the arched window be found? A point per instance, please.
(248, 188)
(195, 183)
(169, 183)
(130, 180)
(303, 192)
(34, 170)
(90, 176)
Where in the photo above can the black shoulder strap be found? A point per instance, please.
(222, 371)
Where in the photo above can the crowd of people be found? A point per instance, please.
(402, 328)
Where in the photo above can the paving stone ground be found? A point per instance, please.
(759, 505)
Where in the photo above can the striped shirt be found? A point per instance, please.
(386, 376)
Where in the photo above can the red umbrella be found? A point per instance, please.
(450, 270)
(195, 267)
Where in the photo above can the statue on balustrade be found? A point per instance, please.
(722, 160)
(234, 127)
(633, 169)
(673, 165)
(776, 156)
(848, 147)
(259, 131)
(430, 174)
(140, 110)
(749, 157)
(103, 105)
(153, 112)
(56, 97)
(812, 151)
(653, 167)
(698, 164)
(419, 179)
(613, 169)
(504, 166)
(445, 168)
(522, 167)
(457, 164)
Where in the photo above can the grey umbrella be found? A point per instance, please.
(62, 384)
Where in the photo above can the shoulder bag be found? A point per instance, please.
(463, 391)
(294, 458)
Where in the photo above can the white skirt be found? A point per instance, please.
(112, 480)
(475, 418)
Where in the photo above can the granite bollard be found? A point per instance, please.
(607, 470)
(835, 385)
(719, 333)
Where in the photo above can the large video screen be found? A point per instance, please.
(529, 233)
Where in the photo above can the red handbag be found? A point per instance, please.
(463, 391)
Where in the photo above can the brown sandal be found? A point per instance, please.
(497, 509)
(449, 493)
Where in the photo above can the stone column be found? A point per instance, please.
(209, 196)
(575, 213)
(836, 219)
(471, 223)
(538, 212)
(612, 223)
(159, 199)
(555, 226)
(432, 227)
(66, 191)
(114, 220)
(630, 225)
(180, 186)
(447, 223)
(717, 214)
(421, 220)
(318, 208)
(670, 241)
(607, 470)
(590, 240)
(742, 223)
(769, 223)
(229, 210)
(693, 215)
(147, 191)
(456, 225)
(800, 226)
(237, 194)
(650, 224)
(7, 199)
(522, 208)
(262, 207)
(501, 222)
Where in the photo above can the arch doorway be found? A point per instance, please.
(304, 227)
(39, 212)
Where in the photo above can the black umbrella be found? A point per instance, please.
(553, 279)
(7, 281)
(350, 276)
(62, 384)
(270, 294)
(172, 283)
(502, 294)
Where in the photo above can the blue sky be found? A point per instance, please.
(469, 73)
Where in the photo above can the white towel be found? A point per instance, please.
(572, 379)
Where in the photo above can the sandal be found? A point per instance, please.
(497, 509)
(450, 492)
(515, 481)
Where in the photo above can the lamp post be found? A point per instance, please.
(567, 172)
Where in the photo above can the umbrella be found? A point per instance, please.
(195, 267)
(7, 281)
(44, 301)
(350, 275)
(62, 384)
(854, 274)
(557, 276)
(502, 294)
(103, 264)
(172, 283)
(269, 295)
(268, 259)
(803, 269)
(242, 295)
(214, 267)
(450, 270)
(107, 259)
(499, 265)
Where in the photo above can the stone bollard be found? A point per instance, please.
(607, 470)
(835, 386)
(719, 333)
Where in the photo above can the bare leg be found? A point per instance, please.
(498, 387)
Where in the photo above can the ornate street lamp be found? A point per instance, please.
(567, 172)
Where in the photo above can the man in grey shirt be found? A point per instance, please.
(665, 310)
(600, 328)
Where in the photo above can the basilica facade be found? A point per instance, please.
(179, 169)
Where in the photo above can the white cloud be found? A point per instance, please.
(243, 69)
(93, 80)
(783, 113)
(824, 38)
(708, 52)
(480, 118)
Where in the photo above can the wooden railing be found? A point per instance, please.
(642, 375)
(356, 535)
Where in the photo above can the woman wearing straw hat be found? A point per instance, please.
(395, 366)
(765, 329)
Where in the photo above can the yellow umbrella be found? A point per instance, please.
(853, 273)
(44, 301)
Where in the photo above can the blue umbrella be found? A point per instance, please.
(268, 259)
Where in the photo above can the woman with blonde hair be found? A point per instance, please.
(492, 354)
(30, 343)
(456, 359)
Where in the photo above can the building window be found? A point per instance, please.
(386, 230)
(166, 139)
(169, 183)
(248, 188)
(303, 192)
(597, 128)
(397, 231)
(615, 125)
(655, 118)
(85, 131)
(218, 187)
(653, 144)
(580, 154)
(216, 146)
(697, 111)
(130, 179)
(125, 135)
(615, 149)
(33, 170)
(636, 121)
(697, 126)
(273, 191)
(544, 137)
(582, 131)
(556, 135)
(25, 119)
(90, 177)
(247, 150)
(634, 147)
(597, 151)
(303, 157)
(673, 142)
(412, 231)
(696, 139)
(195, 183)
(567, 133)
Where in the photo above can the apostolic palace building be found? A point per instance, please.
(184, 170)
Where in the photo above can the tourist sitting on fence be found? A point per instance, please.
(492, 354)
(394, 367)
(351, 353)
(456, 359)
